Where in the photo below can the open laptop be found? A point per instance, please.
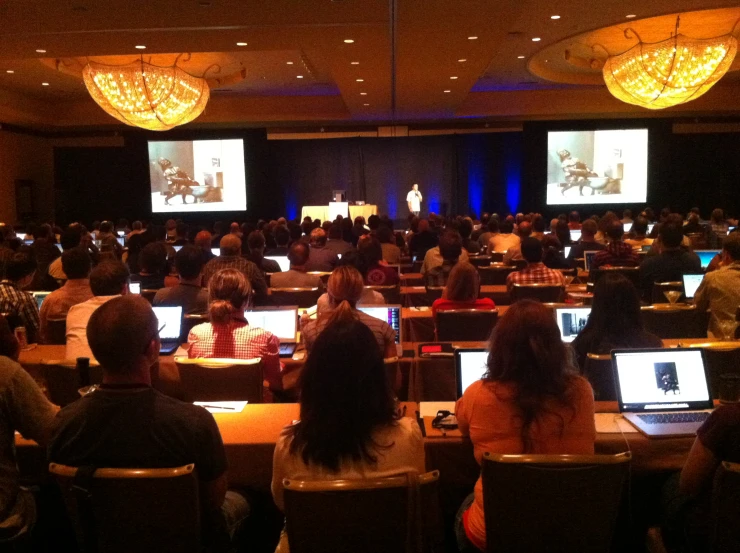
(588, 257)
(281, 260)
(646, 247)
(216, 251)
(391, 314)
(575, 235)
(627, 227)
(691, 282)
(650, 227)
(571, 320)
(121, 233)
(662, 392)
(706, 256)
(121, 240)
(59, 247)
(177, 248)
(566, 251)
(40, 297)
(470, 365)
(134, 287)
(170, 321)
(281, 321)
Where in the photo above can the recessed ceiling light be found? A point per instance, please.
(44, 84)
(348, 41)
(354, 63)
(241, 43)
(140, 47)
(461, 60)
(363, 93)
(472, 38)
(446, 91)
(453, 78)
(630, 16)
(365, 104)
(40, 51)
(520, 57)
(10, 71)
(536, 39)
(299, 76)
(554, 17)
(289, 62)
(360, 80)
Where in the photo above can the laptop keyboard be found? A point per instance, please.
(673, 418)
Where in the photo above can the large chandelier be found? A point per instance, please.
(148, 96)
(667, 73)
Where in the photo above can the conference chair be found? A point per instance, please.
(324, 276)
(434, 293)
(119, 510)
(221, 379)
(725, 510)
(698, 240)
(148, 295)
(480, 260)
(471, 325)
(659, 289)
(598, 371)
(675, 321)
(63, 380)
(189, 322)
(553, 503)
(497, 257)
(494, 274)
(546, 293)
(519, 264)
(631, 273)
(56, 332)
(302, 297)
(391, 294)
(398, 514)
(721, 358)
(393, 373)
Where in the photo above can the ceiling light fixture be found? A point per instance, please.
(40, 51)
(360, 80)
(520, 57)
(289, 62)
(10, 71)
(354, 63)
(299, 76)
(472, 38)
(453, 78)
(241, 44)
(348, 41)
(140, 47)
(363, 93)
(670, 72)
(44, 84)
(148, 96)
(536, 39)
(365, 104)
(447, 91)
(630, 16)
(554, 17)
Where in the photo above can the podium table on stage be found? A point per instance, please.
(329, 213)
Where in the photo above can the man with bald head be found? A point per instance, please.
(128, 424)
(230, 258)
(514, 253)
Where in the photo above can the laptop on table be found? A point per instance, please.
(170, 323)
(391, 314)
(40, 297)
(280, 321)
(588, 257)
(470, 366)
(662, 392)
(706, 256)
(575, 235)
(571, 320)
(281, 260)
(691, 282)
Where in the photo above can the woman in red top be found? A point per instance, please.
(461, 291)
(375, 271)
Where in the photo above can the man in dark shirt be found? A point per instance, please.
(188, 292)
(335, 243)
(14, 300)
(320, 258)
(128, 424)
(423, 241)
(671, 263)
(587, 243)
(282, 239)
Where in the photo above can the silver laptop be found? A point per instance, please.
(391, 314)
(571, 320)
(662, 392)
(281, 260)
(170, 322)
(470, 366)
(280, 321)
(588, 257)
(691, 282)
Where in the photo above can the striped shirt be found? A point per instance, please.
(383, 332)
(250, 270)
(20, 304)
(534, 273)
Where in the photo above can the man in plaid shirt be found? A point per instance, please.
(450, 247)
(617, 252)
(535, 272)
(19, 272)
(230, 258)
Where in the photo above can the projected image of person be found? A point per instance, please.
(179, 182)
(577, 173)
(666, 378)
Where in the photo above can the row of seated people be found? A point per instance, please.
(530, 400)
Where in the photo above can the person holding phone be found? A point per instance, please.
(413, 198)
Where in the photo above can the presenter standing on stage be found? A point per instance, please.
(414, 198)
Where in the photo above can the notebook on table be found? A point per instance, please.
(280, 321)
(571, 320)
(281, 260)
(170, 323)
(706, 256)
(662, 392)
(691, 282)
(391, 314)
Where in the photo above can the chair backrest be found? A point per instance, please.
(698, 240)
(546, 293)
(598, 371)
(188, 323)
(659, 288)
(123, 510)
(221, 379)
(725, 531)
(675, 321)
(434, 293)
(472, 325)
(553, 503)
(148, 295)
(302, 297)
(632, 273)
(496, 257)
(393, 373)
(56, 332)
(323, 275)
(721, 358)
(519, 264)
(494, 274)
(480, 260)
(63, 380)
(391, 294)
(391, 515)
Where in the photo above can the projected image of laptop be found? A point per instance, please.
(470, 365)
(170, 321)
(281, 321)
(691, 282)
(588, 257)
(281, 260)
(706, 256)
(575, 235)
(391, 314)
(662, 392)
(571, 320)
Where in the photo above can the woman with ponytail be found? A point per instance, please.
(344, 290)
(228, 335)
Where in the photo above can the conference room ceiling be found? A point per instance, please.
(410, 60)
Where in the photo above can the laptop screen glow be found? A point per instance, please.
(283, 323)
(575, 235)
(281, 260)
(571, 321)
(566, 251)
(471, 365)
(121, 240)
(177, 248)
(40, 297)
(627, 227)
(134, 287)
(216, 251)
(691, 282)
(706, 256)
(171, 318)
(650, 227)
(391, 314)
(665, 379)
(588, 258)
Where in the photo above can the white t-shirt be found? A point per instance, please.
(414, 200)
(77, 319)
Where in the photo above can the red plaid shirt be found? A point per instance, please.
(535, 273)
(237, 340)
(616, 254)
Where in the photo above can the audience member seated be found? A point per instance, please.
(297, 276)
(203, 243)
(693, 225)
(529, 401)
(181, 234)
(552, 253)
(229, 335)
(461, 291)
(515, 252)
(617, 253)
(717, 223)
(391, 252)
(256, 245)
(70, 239)
(349, 427)
(562, 233)
(230, 258)
(136, 228)
(466, 229)
(504, 240)
(538, 227)
(23, 409)
(574, 220)
(627, 216)
(282, 239)
(153, 267)
(44, 251)
(638, 235)
(19, 271)
(320, 257)
(719, 291)
(586, 243)
(128, 424)
(423, 240)
(370, 262)
(108, 239)
(535, 272)
(433, 257)
(451, 250)
(615, 320)
(108, 280)
(671, 263)
(188, 292)
(489, 230)
(344, 291)
(76, 264)
(335, 243)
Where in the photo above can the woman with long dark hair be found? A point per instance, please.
(530, 400)
(349, 426)
(614, 321)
